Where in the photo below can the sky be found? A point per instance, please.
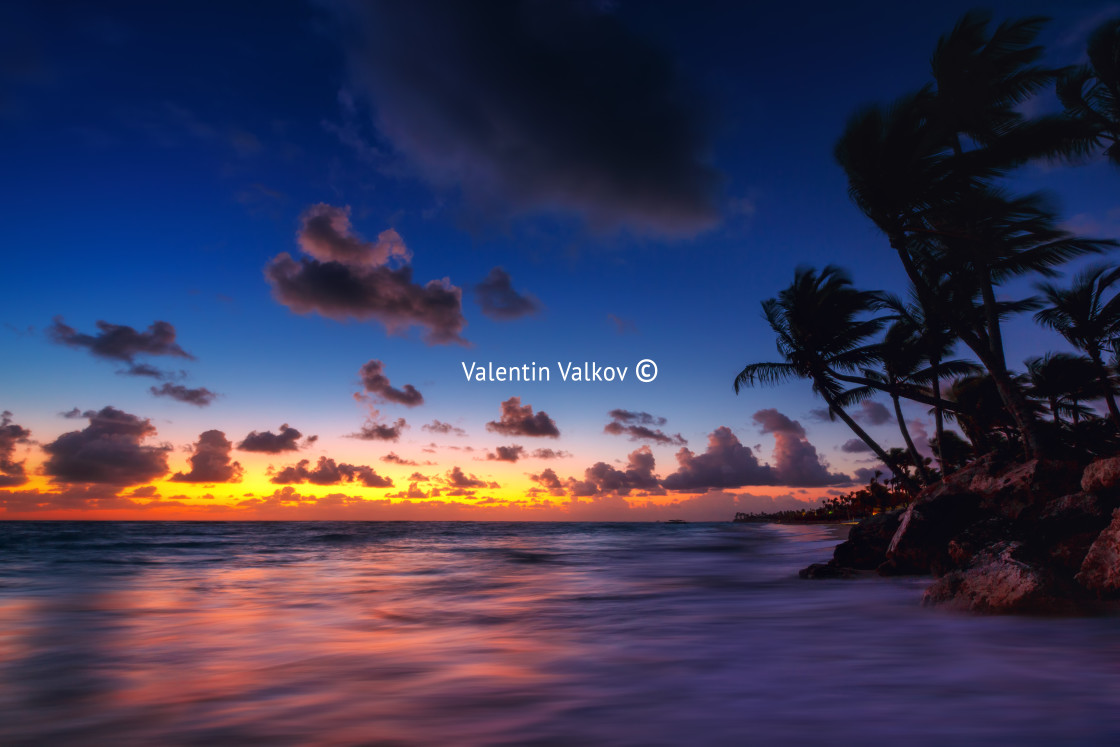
(258, 255)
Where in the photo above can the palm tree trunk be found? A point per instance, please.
(919, 463)
(938, 416)
(1012, 398)
(899, 473)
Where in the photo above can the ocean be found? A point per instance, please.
(460, 633)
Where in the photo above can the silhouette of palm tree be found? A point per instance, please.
(1091, 93)
(922, 170)
(822, 329)
(1063, 380)
(934, 339)
(1087, 320)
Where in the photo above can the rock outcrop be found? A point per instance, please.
(1100, 571)
(1000, 580)
(1039, 537)
(867, 543)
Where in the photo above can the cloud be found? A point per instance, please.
(210, 461)
(855, 446)
(328, 472)
(636, 426)
(272, 443)
(200, 397)
(456, 479)
(549, 454)
(821, 415)
(520, 421)
(12, 473)
(796, 461)
(145, 369)
(875, 413)
(506, 453)
(119, 342)
(392, 458)
(350, 279)
(527, 107)
(327, 236)
(864, 474)
(549, 480)
(109, 451)
(919, 434)
(498, 300)
(374, 431)
(631, 417)
(438, 426)
(725, 464)
(638, 475)
(377, 383)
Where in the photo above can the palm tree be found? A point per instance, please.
(822, 329)
(921, 168)
(981, 79)
(1063, 380)
(934, 338)
(1091, 93)
(982, 416)
(982, 242)
(1082, 315)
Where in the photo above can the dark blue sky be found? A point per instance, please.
(644, 173)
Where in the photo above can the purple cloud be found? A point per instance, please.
(109, 450)
(498, 300)
(272, 443)
(329, 472)
(377, 383)
(12, 473)
(518, 420)
(200, 397)
(210, 460)
(350, 279)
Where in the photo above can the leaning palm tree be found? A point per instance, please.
(1087, 319)
(934, 339)
(1091, 93)
(981, 78)
(983, 242)
(919, 167)
(822, 328)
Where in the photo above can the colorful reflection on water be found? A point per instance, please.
(481, 633)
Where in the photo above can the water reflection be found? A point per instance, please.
(432, 633)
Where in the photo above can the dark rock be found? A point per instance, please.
(1067, 527)
(1025, 486)
(866, 546)
(921, 541)
(1001, 579)
(825, 570)
(971, 540)
(1102, 476)
(1100, 571)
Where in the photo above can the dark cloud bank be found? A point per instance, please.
(530, 106)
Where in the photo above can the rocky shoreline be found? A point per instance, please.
(1040, 537)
